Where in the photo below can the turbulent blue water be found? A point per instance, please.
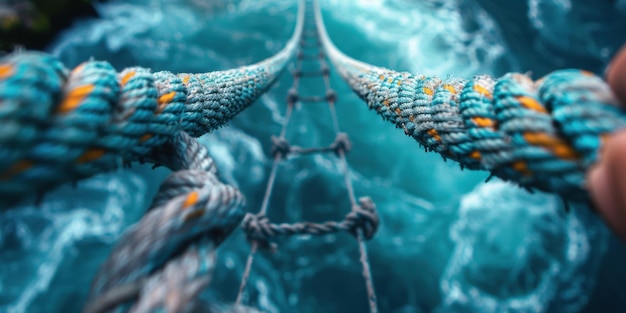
(448, 242)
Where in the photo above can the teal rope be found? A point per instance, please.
(543, 135)
(164, 261)
(58, 126)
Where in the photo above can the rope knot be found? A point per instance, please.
(292, 96)
(257, 229)
(331, 96)
(364, 217)
(280, 146)
(341, 144)
(325, 70)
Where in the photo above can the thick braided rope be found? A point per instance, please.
(169, 254)
(544, 134)
(58, 126)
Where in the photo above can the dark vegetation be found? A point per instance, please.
(32, 24)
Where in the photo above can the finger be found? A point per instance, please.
(607, 183)
(616, 75)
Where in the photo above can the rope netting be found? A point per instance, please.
(542, 134)
(362, 219)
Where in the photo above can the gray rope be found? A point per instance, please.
(166, 259)
(362, 217)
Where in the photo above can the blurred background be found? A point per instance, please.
(448, 242)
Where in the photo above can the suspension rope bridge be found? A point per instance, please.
(59, 126)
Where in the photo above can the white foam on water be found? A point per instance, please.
(48, 232)
(446, 37)
(518, 252)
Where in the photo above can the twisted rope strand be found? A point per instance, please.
(59, 126)
(166, 259)
(541, 134)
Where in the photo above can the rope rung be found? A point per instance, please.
(311, 34)
(305, 56)
(321, 72)
(314, 150)
(312, 99)
(308, 44)
(361, 217)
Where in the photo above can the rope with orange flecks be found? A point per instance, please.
(542, 135)
(58, 126)
(162, 263)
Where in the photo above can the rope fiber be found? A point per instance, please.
(171, 250)
(59, 126)
(542, 134)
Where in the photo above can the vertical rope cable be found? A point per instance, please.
(367, 275)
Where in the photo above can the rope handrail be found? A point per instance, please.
(542, 134)
(59, 126)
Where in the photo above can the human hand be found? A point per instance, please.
(607, 179)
